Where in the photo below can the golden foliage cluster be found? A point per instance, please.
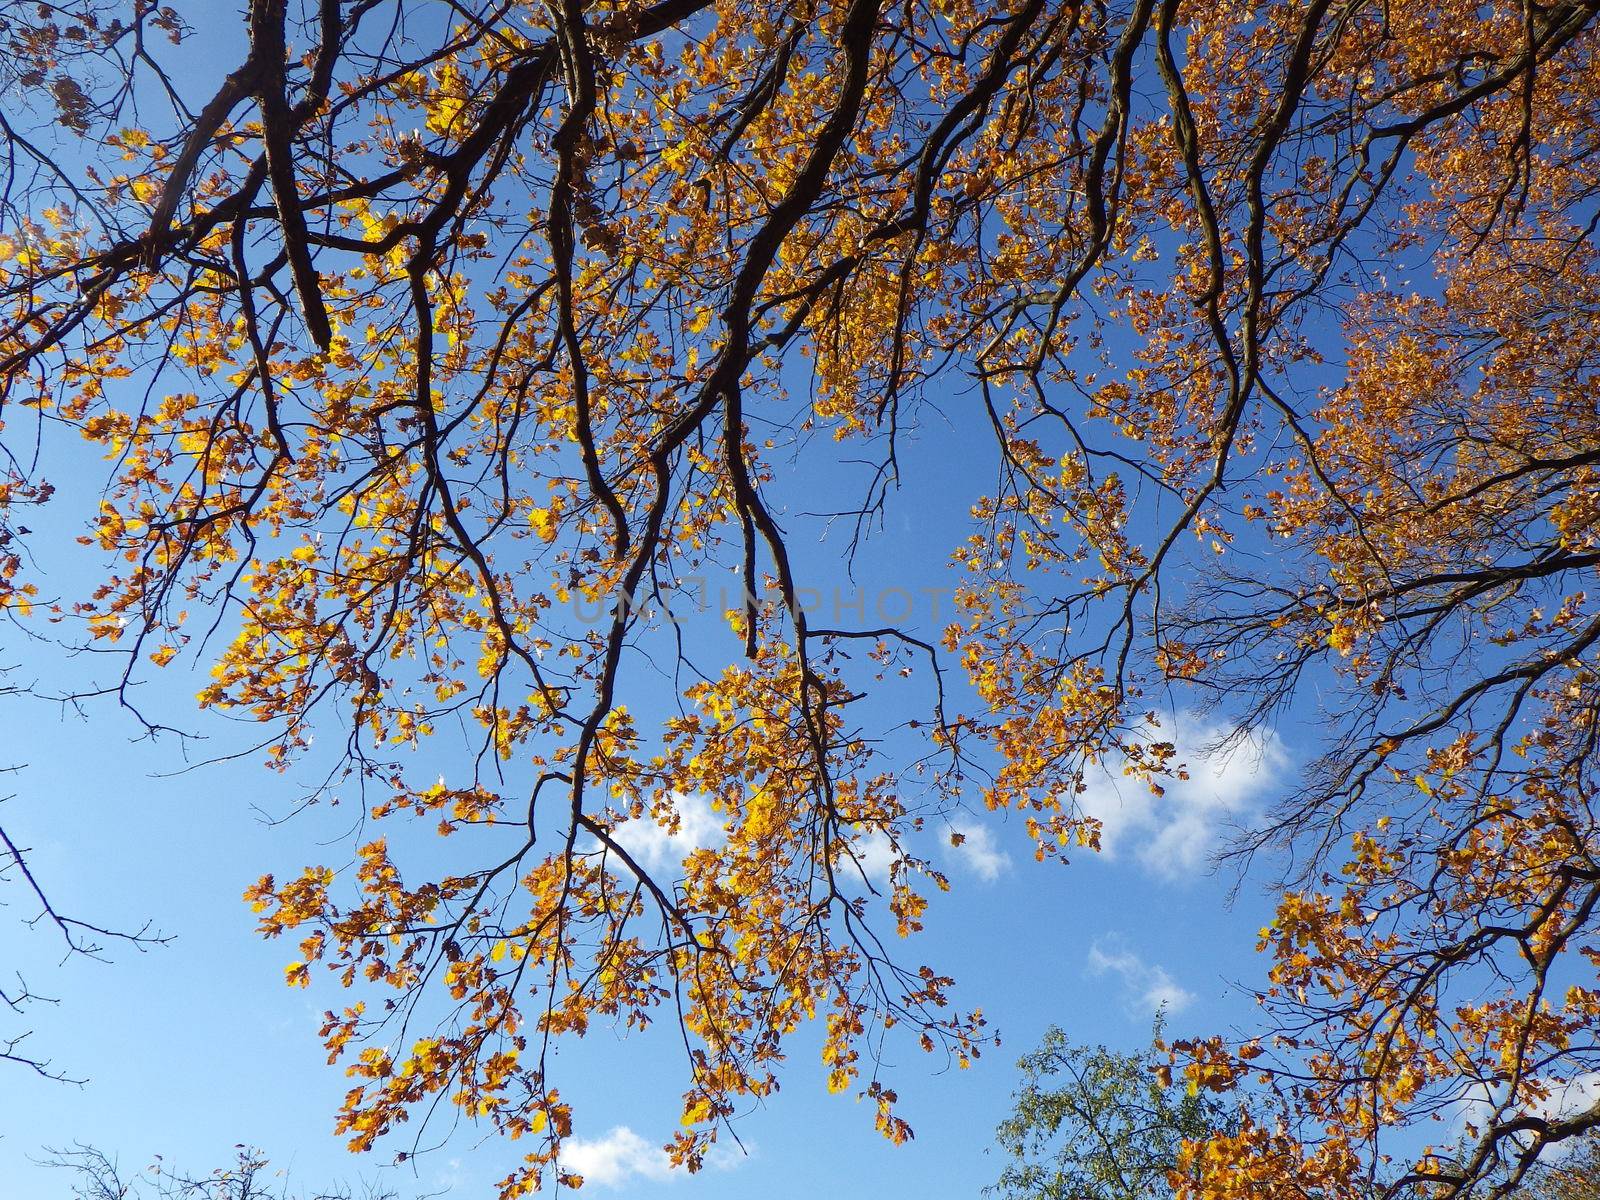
(424, 329)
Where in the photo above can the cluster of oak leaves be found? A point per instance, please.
(1282, 318)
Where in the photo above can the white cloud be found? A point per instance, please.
(1574, 1096)
(1147, 985)
(873, 855)
(978, 853)
(1578, 1094)
(1567, 1099)
(647, 841)
(615, 1159)
(657, 850)
(450, 1177)
(622, 1156)
(1173, 834)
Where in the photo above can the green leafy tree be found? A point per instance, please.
(1091, 1123)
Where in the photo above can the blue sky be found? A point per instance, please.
(196, 1046)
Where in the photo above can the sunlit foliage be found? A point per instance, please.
(431, 323)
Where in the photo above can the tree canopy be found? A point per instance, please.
(1090, 1123)
(1570, 1178)
(420, 327)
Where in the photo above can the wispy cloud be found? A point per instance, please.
(656, 849)
(661, 852)
(615, 1159)
(1148, 986)
(1566, 1099)
(974, 848)
(1576, 1095)
(1173, 834)
(450, 1177)
(871, 854)
(622, 1156)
